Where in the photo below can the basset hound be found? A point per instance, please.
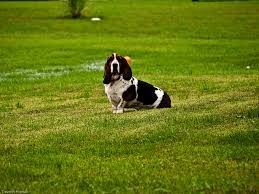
(125, 91)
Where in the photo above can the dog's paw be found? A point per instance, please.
(118, 111)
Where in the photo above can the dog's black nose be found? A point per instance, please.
(115, 68)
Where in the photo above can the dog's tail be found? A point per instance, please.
(165, 102)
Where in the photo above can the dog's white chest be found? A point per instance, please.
(114, 90)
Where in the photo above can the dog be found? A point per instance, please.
(125, 91)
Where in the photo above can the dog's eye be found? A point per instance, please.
(109, 59)
(120, 58)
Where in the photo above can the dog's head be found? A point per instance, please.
(115, 67)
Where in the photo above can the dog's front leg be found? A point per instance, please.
(114, 109)
(121, 105)
(114, 104)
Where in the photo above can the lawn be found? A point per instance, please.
(57, 130)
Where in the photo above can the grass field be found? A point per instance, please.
(57, 131)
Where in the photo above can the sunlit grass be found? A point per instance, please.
(57, 131)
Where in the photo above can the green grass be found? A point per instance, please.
(57, 131)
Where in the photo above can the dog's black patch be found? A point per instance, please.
(165, 102)
(146, 93)
(129, 94)
(107, 79)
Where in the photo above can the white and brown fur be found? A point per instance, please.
(125, 91)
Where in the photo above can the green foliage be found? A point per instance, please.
(57, 132)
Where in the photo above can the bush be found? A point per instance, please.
(76, 7)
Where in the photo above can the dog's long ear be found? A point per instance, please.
(125, 69)
(107, 72)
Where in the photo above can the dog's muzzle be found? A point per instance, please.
(115, 68)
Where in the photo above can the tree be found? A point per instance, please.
(76, 7)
